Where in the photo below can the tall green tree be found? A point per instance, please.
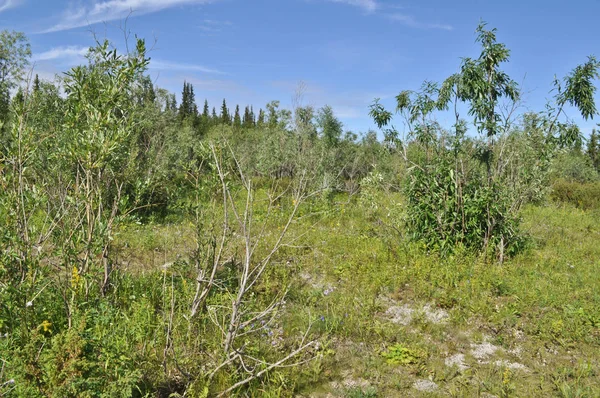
(36, 83)
(237, 120)
(273, 116)
(98, 127)
(206, 110)
(304, 119)
(15, 52)
(170, 103)
(593, 149)
(188, 108)
(330, 127)
(260, 122)
(225, 117)
(204, 120)
(460, 190)
(145, 95)
(482, 84)
(248, 119)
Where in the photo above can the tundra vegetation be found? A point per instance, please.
(156, 249)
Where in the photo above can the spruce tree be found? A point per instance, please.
(192, 108)
(247, 120)
(146, 94)
(185, 99)
(205, 120)
(205, 111)
(261, 119)
(171, 104)
(252, 117)
(225, 118)
(237, 120)
(36, 84)
(188, 107)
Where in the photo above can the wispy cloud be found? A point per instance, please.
(410, 21)
(390, 11)
(110, 10)
(158, 64)
(211, 27)
(63, 52)
(6, 4)
(367, 5)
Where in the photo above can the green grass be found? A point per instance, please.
(529, 327)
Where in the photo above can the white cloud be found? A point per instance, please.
(110, 10)
(7, 4)
(367, 5)
(211, 26)
(157, 64)
(411, 22)
(63, 52)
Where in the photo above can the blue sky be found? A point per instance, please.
(347, 52)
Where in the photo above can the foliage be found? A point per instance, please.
(14, 57)
(468, 192)
(15, 52)
(144, 252)
(580, 194)
(593, 150)
(572, 166)
(400, 355)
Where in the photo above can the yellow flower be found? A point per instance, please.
(75, 277)
(46, 326)
(506, 376)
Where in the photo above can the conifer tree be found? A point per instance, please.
(183, 107)
(247, 121)
(205, 111)
(36, 84)
(146, 93)
(252, 117)
(225, 118)
(213, 116)
(237, 120)
(261, 119)
(171, 103)
(188, 107)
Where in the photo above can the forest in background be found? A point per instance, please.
(155, 247)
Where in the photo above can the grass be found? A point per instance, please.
(397, 321)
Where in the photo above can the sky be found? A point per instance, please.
(342, 53)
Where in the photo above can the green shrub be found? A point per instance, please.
(573, 166)
(400, 355)
(582, 195)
